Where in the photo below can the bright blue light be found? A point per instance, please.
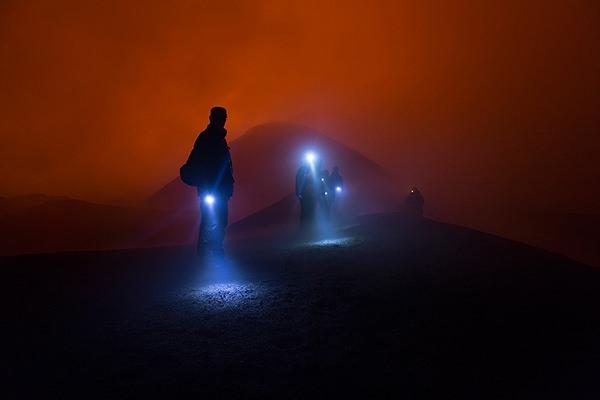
(209, 199)
(338, 189)
(326, 193)
(311, 157)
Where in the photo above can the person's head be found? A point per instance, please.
(414, 189)
(218, 116)
(335, 169)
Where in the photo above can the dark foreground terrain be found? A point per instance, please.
(383, 309)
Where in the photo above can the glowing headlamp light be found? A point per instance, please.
(338, 189)
(209, 199)
(311, 157)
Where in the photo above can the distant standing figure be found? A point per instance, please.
(209, 168)
(307, 193)
(336, 184)
(325, 194)
(414, 203)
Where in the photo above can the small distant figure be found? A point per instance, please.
(336, 184)
(325, 194)
(414, 203)
(307, 190)
(209, 168)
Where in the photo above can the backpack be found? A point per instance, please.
(190, 171)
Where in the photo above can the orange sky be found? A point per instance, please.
(101, 100)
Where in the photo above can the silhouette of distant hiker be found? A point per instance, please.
(324, 194)
(414, 203)
(307, 191)
(336, 184)
(209, 168)
(315, 192)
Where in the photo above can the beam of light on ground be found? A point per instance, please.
(221, 296)
(214, 269)
(334, 242)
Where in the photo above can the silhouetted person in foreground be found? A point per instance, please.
(307, 191)
(209, 169)
(414, 203)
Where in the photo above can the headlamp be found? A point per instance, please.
(311, 157)
(209, 199)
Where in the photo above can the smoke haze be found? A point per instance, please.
(481, 104)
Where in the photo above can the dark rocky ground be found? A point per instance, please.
(384, 309)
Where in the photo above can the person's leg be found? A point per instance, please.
(311, 211)
(204, 230)
(332, 213)
(303, 214)
(221, 221)
(326, 204)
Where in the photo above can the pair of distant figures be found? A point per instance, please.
(209, 169)
(317, 191)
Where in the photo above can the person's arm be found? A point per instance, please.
(230, 161)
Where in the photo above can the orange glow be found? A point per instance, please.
(495, 102)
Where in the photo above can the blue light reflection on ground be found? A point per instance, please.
(219, 283)
(334, 242)
(226, 295)
(217, 269)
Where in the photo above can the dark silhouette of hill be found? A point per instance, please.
(282, 216)
(265, 159)
(9, 205)
(41, 223)
(265, 162)
(408, 310)
(575, 235)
